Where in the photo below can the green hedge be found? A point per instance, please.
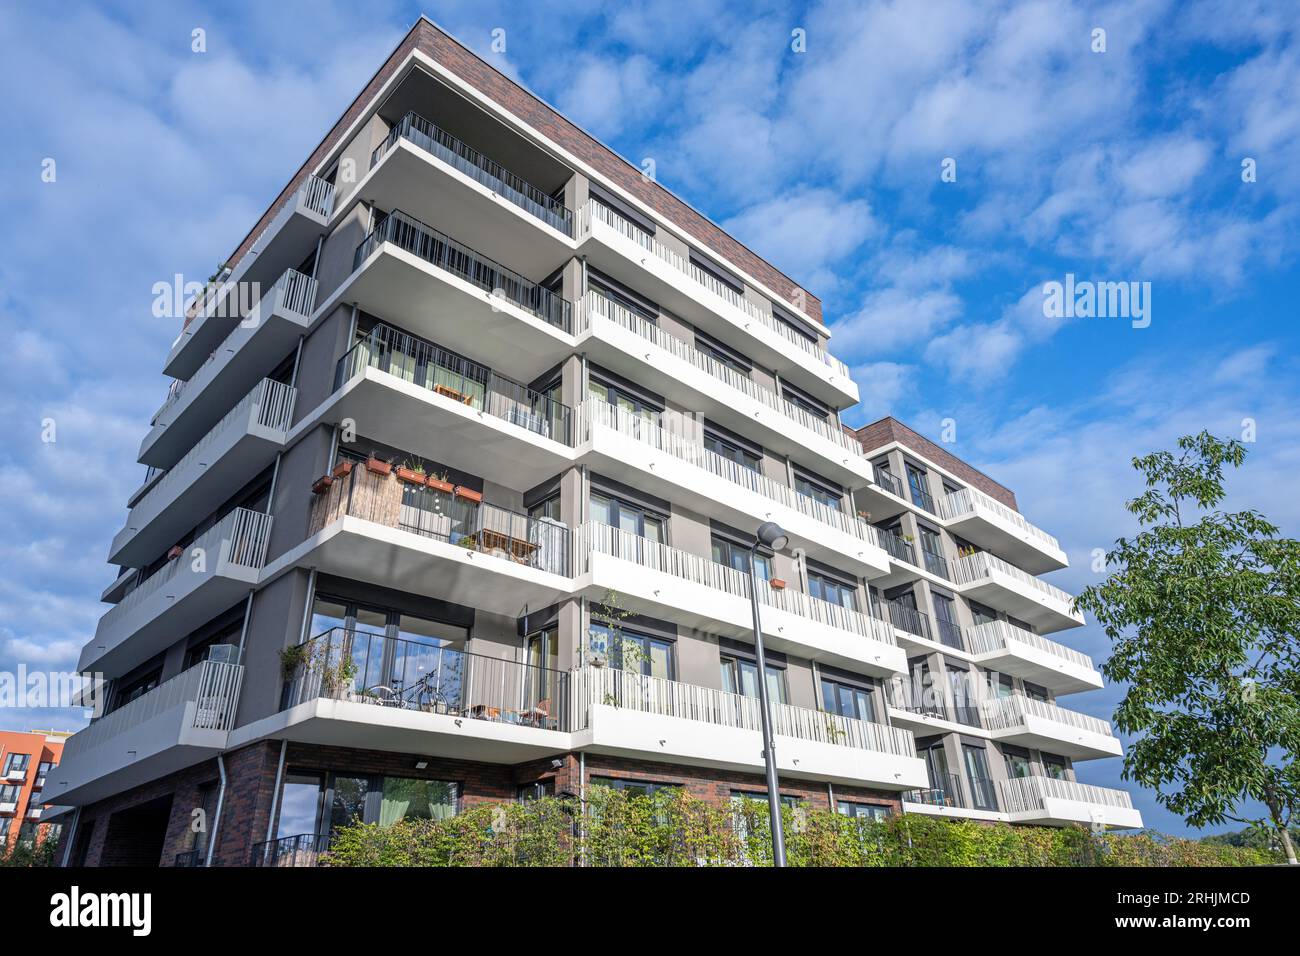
(676, 829)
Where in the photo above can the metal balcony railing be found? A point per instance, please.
(478, 167)
(240, 538)
(540, 543)
(888, 481)
(655, 695)
(980, 565)
(683, 441)
(898, 547)
(597, 211)
(302, 849)
(909, 619)
(1010, 712)
(449, 255)
(1023, 794)
(945, 792)
(998, 635)
(596, 538)
(935, 563)
(968, 501)
(599, 305)
(476, 386)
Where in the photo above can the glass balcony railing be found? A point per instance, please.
(472, 163)
(472, 267)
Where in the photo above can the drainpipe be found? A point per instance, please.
(315, 263)
(297, 360)
(275, 479)
(243, 630)
(221, 799)
(275, 794)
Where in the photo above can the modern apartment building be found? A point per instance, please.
(452, 500)
(26, 761)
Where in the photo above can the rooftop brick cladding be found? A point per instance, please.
(887, 430)
(427, 38)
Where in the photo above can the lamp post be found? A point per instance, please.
(769, 535)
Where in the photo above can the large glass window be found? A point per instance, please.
(634, 788)
(300, 801)
(1058, 768)
(406, 798)
(622, 399)
(731, 451)
(829, 497)
(932, 550)
(740, 676)
(17, 763)
(862, 811)
(920, 491)
(628, 650)
(848, 700)
(1018, 765)
(963, 697)
(832, 590)
(735, 555)
(945, 618)
(628, 517)
(977, 769)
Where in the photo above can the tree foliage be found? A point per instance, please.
(1202, 607)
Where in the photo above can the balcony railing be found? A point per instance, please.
(898, 547)
(422, 363)
(539, 543)
(598, 211)
(302, 849)
(656, 695)
(888, 481)
(1010, 712)
(271, 405)
(995, 635)
(916, 697)
(935, 563)
(240, 538)
(597, 304)
(293, 292)
(909, 619)
(922, 498)
(386, 671)
(597, 538)
(975, 567)
(461, 261)
(212, 686)
(968, 501)
(687, 447)
(1023, 794)
(946, 792)
(478, 167)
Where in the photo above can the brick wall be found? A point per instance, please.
(887, 430)
(484, 78)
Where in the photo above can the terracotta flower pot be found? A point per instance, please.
(777, 584)
(410, 476)
(468, 494)
(321, 485)
(439, 485)
(175, 552)
(343, 468)
(377, 466)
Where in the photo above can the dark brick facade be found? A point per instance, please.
(887, 430)
(250, 790)
(486, 79)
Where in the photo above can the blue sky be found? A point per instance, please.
(1123, 165)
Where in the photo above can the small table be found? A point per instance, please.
(521, 551)
(453, 394)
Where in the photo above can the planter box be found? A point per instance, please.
(343, 468)
(411, 476)
(776, 584)
(321, 485)
(377, 466)
(439, 485)
(468, 494)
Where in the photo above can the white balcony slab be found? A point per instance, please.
(286, 241)
(177, 724)
(1058, 730)
(252, 350)
(1010, 650)
(388, 409)
(989, 580)
(990, 524)
(422, 184)
(626, 732)
(214, 572)
(626, 260)
(1052, 802)
(717, 611)
(244, 442)
(643, 465)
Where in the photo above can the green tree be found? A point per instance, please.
(1203, 609)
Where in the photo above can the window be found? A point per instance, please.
(916, 484)
(543, 661)
(730, 451)
(622, 398)
(959, 681)
(1005, 687)
(945, 617)
(740, 676)
(45, 767)
(832, 590)
(932, 549)
(831, 498)
(199, 652)
(982, 614)
(1056, 767)
(628, 517)
(406, 798)
(135, 688)
(533, 791)
(811, 406)
(1034, 692)
(863, 811)
(16, 762)
(300, 804)
(1018, 764)
(977, 769)
(651, 656)
(848, 700)
(550, 508)
(944, 789)
(723, 356)
(9, 793)
(735, 555)
(739, 797)
(633, 788)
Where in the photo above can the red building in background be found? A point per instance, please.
(25, 760)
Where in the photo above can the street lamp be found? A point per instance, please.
(771, 536)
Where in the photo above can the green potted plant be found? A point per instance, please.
(291, 658)
(411, 474)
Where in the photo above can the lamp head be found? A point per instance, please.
(771, 535)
